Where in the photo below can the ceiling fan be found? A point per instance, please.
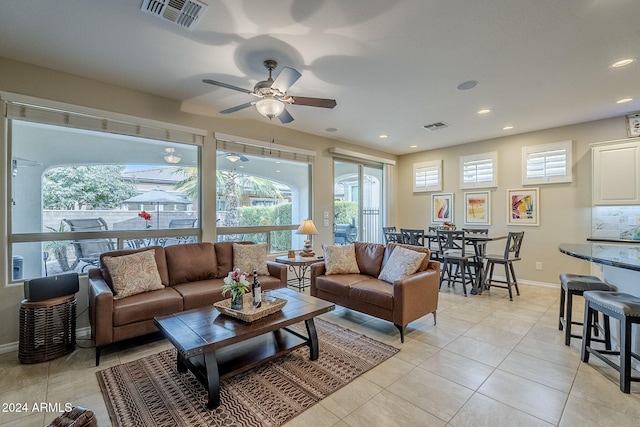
(273, 96)
(234, 157)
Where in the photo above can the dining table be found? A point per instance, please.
(479, 243)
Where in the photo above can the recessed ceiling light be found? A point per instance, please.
(624, 100)
(507, 128)
(413, 146)
(383, 136)
(622, 62)
(277, 170)
(470, 84)
(484, 111)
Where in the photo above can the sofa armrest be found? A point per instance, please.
(100, 308)
(278, 270)
(416, 295)
(317, 269)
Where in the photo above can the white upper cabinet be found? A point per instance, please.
(616, 172)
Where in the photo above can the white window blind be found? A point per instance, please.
(547, 163)
(266, 150)
(479, 170)
(51, 116)
(427, 176)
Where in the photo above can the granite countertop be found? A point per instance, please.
(623, 256)
(612, 240)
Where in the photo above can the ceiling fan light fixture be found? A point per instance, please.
(270, 107)
(233, 157)
(171, 156)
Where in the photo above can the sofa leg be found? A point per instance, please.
(401, 329)
(434, 318)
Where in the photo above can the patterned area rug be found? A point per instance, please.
(151, 392)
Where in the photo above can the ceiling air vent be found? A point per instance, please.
(436, 126)
(185, 13)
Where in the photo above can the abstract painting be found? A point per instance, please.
(442, 207)
(477, 208)
(524, 206)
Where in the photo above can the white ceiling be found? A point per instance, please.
(392, 65)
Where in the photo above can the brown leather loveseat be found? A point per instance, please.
(192, 276)
(400, 302)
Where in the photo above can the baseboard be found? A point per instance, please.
(531, 282)
(83, 333)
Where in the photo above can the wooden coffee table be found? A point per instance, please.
(215, 346)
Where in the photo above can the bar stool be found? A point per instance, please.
(625, 308)
(577, 284)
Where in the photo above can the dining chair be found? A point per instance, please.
(387, 231)
(510, 255)
(411, 236)
(433, 245)
(454, 252)
(478, 248)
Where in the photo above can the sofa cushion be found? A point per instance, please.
(391, 246)
(200, 293)
(191, 262)
(401, 263)
(224, 255)
(248, 258)
(161, 262)
(134, 273)
(373, 291)
(339, 283)
(369, 257)
(340, 259)
(141, 307)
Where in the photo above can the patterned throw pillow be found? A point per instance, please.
(251, 257)
(133, 274)
(340, 259)
(402, 263)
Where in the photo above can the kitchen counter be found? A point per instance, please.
(612, 240)
(622, 256)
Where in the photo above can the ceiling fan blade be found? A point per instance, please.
(228, 86)
(285, 117)
(311, 102)
(237, 108)
(285, 79)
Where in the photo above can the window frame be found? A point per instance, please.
(532, 151)
(427, 167)
(479, 159)
(29, 109)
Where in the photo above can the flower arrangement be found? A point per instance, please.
(236, 283)
(448, 226)
(147, 218)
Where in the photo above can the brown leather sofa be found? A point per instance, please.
(192, 275)
(401, 302)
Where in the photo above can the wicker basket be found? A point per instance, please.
(47, 329)
(248, 313)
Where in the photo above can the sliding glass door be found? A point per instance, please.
(357, 202)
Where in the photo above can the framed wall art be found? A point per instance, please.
(477, 208)
(524, 206)
(442, 207)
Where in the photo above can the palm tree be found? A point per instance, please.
(231, 185)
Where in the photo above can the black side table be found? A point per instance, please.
(299, 267)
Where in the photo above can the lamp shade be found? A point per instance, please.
(270, 107)
(307, 227)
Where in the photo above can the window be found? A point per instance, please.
(547, 163)
(263, 192)
(80, 182)
(427, 176)
(479, 170)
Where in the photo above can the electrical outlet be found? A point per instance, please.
(325, 214)
(538, 265)
(326, 223)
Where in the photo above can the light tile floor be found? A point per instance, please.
(488, 362)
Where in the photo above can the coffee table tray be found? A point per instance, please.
(248, 313)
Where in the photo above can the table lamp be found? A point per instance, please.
(309, 229)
